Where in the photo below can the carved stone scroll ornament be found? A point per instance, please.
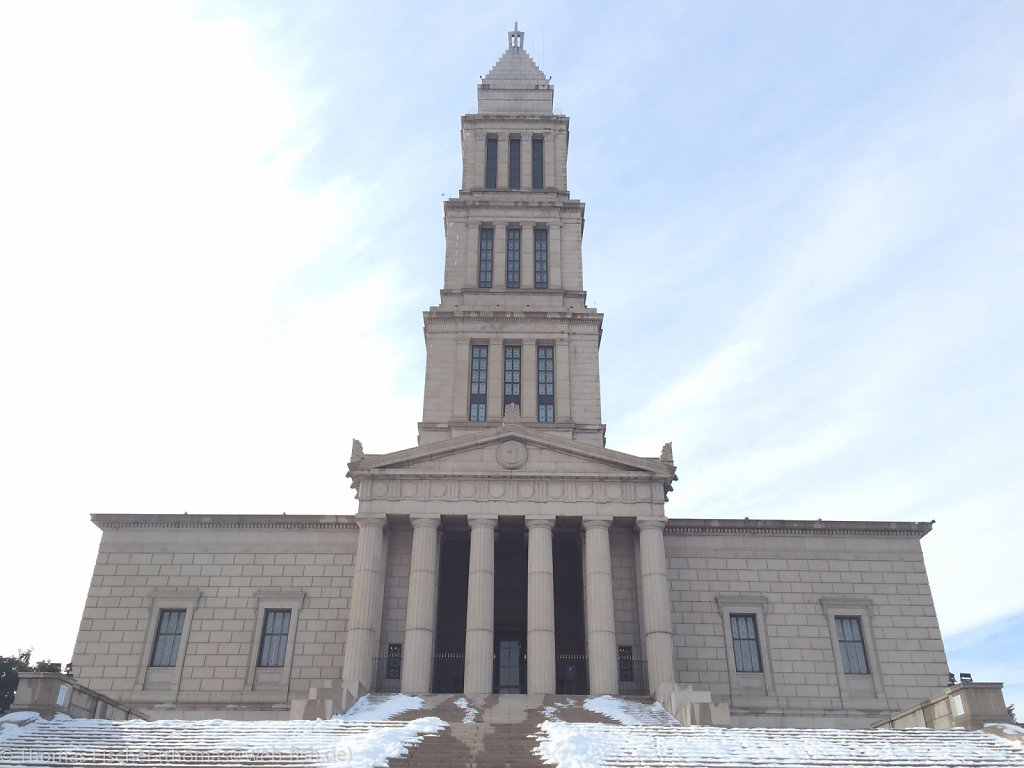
(666, 453)
(357, 450)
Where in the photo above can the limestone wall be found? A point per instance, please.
(225, 572)
(796, 579)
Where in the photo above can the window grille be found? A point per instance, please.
(168, 638)
(538, 162)
(745, 647)
(274, 639)
(851, 645)
(513, 364)
(478, 383)
(546, 384)
(512, 258)
(486, 268)
(540, 258)
(491, 176)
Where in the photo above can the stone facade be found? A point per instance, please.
(510, 550)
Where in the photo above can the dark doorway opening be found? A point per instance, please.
(452, 592)
(570, 632)
(510, 580)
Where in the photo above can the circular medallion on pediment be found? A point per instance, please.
(438, 489)
(467, 489)
(525, 489)
(643, 492)
(409, 488)
(511, 454)
(613, 491)
(555, 490)
(496, 490)
(584, 490)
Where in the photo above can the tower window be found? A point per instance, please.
(744, 642)
(274, 639)
(512, 258)
(168, 638)
(851, 645)
(546, 384)
(538, 162)
(478, 383)
(513, 371)
(540, 258)
(513, 163)
(486, 272)
(491, 176)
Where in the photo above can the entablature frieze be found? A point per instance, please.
(486, 486)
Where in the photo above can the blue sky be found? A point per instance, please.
(221, 225)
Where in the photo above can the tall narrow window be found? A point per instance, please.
(513, 361)
(540, 258)
(545, 384)
(513, 163)
(851, 645)
(486, 271)
(744, 642)
(168, 638)
(512, 258)
(538, 162)
(491, 177)
(274, 639)
(478, 383)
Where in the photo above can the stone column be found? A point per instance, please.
(656, 607)
(421, 612)
(540, 608)
(365, 607)
(479, 675)
(601, 651)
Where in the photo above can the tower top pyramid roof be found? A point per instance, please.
(515, 85)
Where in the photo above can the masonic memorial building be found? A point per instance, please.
(510, 551)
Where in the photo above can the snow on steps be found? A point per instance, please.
(594, 745)
(228, 743)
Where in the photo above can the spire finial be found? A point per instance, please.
(515, 39)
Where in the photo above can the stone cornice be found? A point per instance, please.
(795, 528)
(108, 522)
(584, 316)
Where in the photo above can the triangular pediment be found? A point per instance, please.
(512, 449)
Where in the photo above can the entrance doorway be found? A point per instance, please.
(511, 672)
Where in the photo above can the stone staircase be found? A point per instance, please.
(493, 732)
(502, 734)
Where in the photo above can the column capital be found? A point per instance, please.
(425, 521)
(590, 523)
(540, 522)
(371, 522)
(484, 522)
(651, 523)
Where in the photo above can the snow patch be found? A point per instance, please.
(630, 712)
(380, 707)
(471, 712)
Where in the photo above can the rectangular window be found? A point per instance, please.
(513, 163)
(491, 177)
(545, 384)
(478, 383)
(538, 162)
(486, 271)
(625, 663)
(512, 258)
(394, 668)
(744, 642)
(168, 638)
(513, 361)
(274, 639)
(851, 645)
(540, 258)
